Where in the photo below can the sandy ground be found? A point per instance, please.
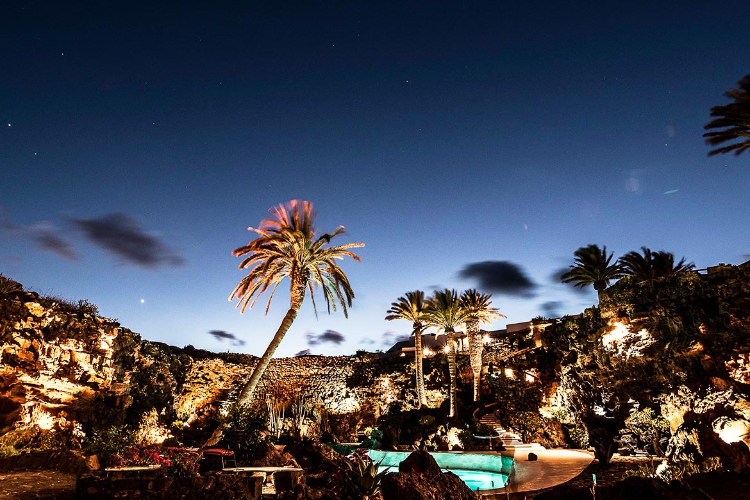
(47, 484)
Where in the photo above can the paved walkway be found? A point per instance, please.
(553, 467)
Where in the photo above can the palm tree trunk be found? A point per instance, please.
(420, 375)
(452, 371)
(298, 296)
(475, 354)
(247, 391)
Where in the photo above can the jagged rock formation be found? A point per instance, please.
(56, 358)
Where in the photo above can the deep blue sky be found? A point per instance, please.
(137, 145)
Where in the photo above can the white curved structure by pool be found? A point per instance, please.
(478, 470)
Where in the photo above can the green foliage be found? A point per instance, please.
(579, 437)
(362, 474)
(467, 439)
(109, 442)
(526, 422)
(562, 415)
(374, 439)
(245, 425)
(485, 430)
(513, 396)
(648, 425)
(669, 471)
(8, 451)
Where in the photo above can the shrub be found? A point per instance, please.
(246, 425)
(8, 286)
(485, 430)
(111, 441)
(362, 474)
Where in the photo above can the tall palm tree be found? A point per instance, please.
(289, 247)
(477, 309)
(412, 308)
(650, 265)
(592, 267)
(734, 119)
(444, 311)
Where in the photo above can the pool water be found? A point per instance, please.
(474, 479)
(480, 471)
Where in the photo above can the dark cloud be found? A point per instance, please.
(45, 236)
(552, 308)
(367, 342)
(327, 337)
(306, 352)
(499, 276)
(433, 287)
(122, 235)
(221, 336)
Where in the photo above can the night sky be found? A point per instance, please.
(466, 144)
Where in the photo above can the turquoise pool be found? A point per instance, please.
(479, 471)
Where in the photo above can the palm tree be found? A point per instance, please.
(412, 308)
(592, 267)
(289, 247)
(650, 265)
(734, 119)
(444, 311)
(477, 308)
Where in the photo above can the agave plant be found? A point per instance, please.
(362, 474)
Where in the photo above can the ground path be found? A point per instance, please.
(46, 484)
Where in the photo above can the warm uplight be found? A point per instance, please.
(486, 339)
(730, 431)
(624, 342)
(42, 418)
(427, 352)
(529, 377)
(403, 354)
(509, 373)
(446, 349)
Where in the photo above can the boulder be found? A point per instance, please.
(266, 455)
(420, 478)
(533, 457)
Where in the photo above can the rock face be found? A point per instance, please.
(420, 478)
(58, 358)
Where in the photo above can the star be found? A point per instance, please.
(9, 124)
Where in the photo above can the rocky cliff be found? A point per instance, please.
(56, 357)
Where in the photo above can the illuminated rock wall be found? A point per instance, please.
(57, 359)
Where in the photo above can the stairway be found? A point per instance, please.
(510, 440)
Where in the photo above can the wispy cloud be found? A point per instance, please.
(121, 235)
(552, 308)
(221, 336)
(499, 276)
(45, 236)
(327, 337)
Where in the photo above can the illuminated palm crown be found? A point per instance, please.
(444, 310)
(410, 308)
(477, 308)
(288, 247)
